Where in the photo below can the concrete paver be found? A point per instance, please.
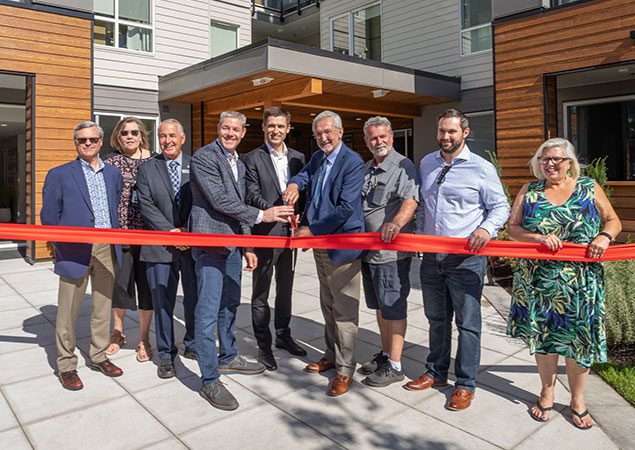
(282, 409)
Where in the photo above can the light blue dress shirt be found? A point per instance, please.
(471, 196)
(97, 193)
(331, 159)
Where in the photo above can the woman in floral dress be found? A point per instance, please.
(131, 141)
(558, 306)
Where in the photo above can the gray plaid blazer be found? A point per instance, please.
(218, 201)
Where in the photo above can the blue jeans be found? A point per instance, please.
(218, 277)
(452, 285)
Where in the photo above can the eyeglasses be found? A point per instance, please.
(127, 132)
(325, 133)
(444, 172)
(555, 159)
(93, 140)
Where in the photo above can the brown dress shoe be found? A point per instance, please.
(70, 380)
(424, 382)
(340, 385)
(321, 366)
(461, 399)
(107, 368)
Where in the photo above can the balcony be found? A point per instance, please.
(278, 11)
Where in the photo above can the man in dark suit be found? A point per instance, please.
(333, 178)
(83, 193)
(218, 206)
(269, 167)
(165, 199)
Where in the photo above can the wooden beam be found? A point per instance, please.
(277, 93)
(357, 105)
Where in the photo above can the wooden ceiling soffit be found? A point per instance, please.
(357, 105)
(279, 93)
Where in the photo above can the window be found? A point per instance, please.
(108, 121)
(476, 29)
(223, 38)
(481, 137)
(358, 33)
(124, 24)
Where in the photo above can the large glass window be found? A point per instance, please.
(604, 128)
(124, 24)
(108, 121)
(476, 28)
(481, 137)
(223, 38)
(358, 33)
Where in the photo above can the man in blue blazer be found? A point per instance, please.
(83, 193)
(333, 179)
(165, 199)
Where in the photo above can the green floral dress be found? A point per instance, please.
(558, 306)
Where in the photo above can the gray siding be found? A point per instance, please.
(78, 5)
(480, 99)
(131, 101)
(419, 34)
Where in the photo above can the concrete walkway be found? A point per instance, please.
(283, 409)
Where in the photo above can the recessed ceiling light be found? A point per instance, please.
(624, 70)
(261, 81)
(358, 118)
(312, 114)
(3, 125)
(258, 108)
(377, 93)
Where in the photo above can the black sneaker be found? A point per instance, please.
(189, 354)
(218, 396)
(372, 365)
(384, 376)
(241, 365)
(166, 369)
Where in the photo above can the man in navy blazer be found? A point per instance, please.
(218, 206)
(83, 193)
(165, 199)
(333, 179)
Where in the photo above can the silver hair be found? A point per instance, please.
(233, 115)
(179, 124)
(568, 149)
(337, 120)
(377, 121)
(87, 124)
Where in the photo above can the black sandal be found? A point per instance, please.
(542, 410)
(581, 416)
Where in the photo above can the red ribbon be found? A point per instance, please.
(357, 241)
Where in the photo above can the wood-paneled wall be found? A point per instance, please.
(580, 36)
(56, 49)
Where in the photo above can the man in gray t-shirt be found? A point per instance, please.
(390, 196)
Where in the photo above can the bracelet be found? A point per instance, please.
(605, 234)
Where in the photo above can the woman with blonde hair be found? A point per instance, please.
(130, 139)
(558, 306)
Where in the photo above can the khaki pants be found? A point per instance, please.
(69, 299)
(339, 300)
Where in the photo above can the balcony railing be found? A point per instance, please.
(280, 9)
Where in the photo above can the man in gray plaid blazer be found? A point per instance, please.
(218, 206)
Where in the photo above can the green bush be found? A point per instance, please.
(620, 302)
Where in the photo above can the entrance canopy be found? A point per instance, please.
(305, 81)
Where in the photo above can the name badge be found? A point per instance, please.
(185, 171)
(135, 197)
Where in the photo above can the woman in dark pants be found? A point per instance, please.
(131, 141)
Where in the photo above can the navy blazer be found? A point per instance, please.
(341, 205)
(66, 202)
(158, 208)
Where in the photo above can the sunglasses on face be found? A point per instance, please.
(127, 132)
(93, 140)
